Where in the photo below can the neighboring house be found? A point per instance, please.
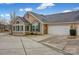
(2, 27)
(7, 27)
(54, 24)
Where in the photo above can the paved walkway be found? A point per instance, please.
(20, 45)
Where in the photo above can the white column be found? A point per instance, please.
(24, 29)
(29, 28)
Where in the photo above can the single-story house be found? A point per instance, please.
(53, 24)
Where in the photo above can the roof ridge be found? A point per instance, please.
(63, 12)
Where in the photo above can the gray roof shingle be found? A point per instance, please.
(64, 17)
(60, 17)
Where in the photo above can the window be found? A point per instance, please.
(17, 22)
(17, 28)
(36, 27)
(26, 28)
(33, 28)
(21, 28)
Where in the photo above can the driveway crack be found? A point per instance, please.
(23, 46)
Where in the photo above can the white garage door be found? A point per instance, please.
(58, 30)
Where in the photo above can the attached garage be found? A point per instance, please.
(59, 30)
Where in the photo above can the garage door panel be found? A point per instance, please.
(58, 30)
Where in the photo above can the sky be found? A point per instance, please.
(42, 8)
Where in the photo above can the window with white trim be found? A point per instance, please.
(17, 28)
(36, 27)
(33, 28)
(21, 28)
(26, 28)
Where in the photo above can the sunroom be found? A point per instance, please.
(20, 27)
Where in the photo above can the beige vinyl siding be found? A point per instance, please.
(31, 18)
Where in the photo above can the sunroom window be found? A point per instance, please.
(36, 27)
(33, 28)
(17, 28)
(26, 28)
(21, 28)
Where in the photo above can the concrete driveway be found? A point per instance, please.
(64, 44)
(23, 45)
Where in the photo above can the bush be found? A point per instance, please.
(73, 32)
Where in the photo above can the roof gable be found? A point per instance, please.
(20, 20)
(37, 16)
